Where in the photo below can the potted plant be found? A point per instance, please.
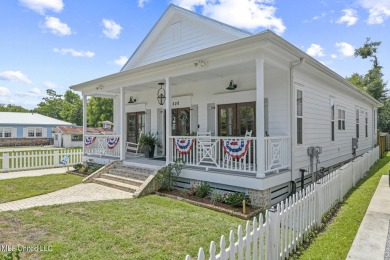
(148, 143)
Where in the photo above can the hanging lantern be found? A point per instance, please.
(161, 94)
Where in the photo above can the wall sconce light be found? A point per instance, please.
(132, 100)
(161, 94)
(199, 63)
(232, 85)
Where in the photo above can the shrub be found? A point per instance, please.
(167, 175)
(235, 199)
(203, 190)
(215, 196)
(78, 166)
(10, 255)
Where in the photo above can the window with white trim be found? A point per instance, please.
(34, 131)
(5, 132)
(341, 119)
(366, 123)
(77, 138)
(357, 123)
(332, 116)
(299, 117)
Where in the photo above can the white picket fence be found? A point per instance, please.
(27, 160)
(290, 222)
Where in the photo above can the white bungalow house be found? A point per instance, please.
(249, 113)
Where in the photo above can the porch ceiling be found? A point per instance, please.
(234, 72)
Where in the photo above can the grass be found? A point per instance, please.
(20, 188)
(337, 239)
(151, 227)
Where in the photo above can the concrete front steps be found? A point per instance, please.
(133, 179)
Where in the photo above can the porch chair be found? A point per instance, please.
(134, 147)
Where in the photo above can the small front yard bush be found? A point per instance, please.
(203, 190)
(235, 199)
(167, 176)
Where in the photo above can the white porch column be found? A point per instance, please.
(84, 120)
(260, 117)
(168, 118)
(122, 119)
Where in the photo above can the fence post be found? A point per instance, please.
(318, 206)
(353, 173)
(56, 158)
(274, 234)
(5, 161)
(341, 184)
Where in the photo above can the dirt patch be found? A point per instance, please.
(207, 203)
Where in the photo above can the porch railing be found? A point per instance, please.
(102, 145)
(276, 153)
(230, 153)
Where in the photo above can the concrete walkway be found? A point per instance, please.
(32, 173)
(78, 193)
(372, 237)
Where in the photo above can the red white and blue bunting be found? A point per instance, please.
(112, 142)
(236, 149)
(89, 140)
(184, 145)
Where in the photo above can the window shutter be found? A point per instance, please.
(44, 132)
(211, 118)
(14, 132)
(194, 118)
(148, 120)
(25, 132)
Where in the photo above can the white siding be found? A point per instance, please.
(316, 123)
(182, 35)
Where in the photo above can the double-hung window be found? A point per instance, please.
(35, 132)
(366, 124)
(357, 123)
(332, 116)
(299, 116)
(5, 132)
(341, 119)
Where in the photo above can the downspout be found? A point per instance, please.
(293, 66)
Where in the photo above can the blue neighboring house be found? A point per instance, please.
(27, 128)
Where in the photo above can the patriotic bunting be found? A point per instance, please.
(236, 149)
(89, 140)
(112, 142)
(184, 145)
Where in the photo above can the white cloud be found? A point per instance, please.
(111, 29)
(15, 76)
(56, 26)
(4, 92)
(121, 61)
(350, 17)
(74, 53)
(49, 84)
(345, 49)
(141, 3)
(315, 50)
(41, 6)
(333, 56)
(378, 10)
(247, 14)
(35, 91)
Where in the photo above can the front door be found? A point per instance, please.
(235, 119)
(181, 121)
(135, 125)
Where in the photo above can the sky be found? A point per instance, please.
(54, 44)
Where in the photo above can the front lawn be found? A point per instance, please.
(25, 187)
(151, 227)
(338, 237)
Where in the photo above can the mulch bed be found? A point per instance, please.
(206, 203)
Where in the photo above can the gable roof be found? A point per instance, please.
(208, 25)
(19, 118)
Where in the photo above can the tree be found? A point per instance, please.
(384, 117)
(98, 110)
(12, 108)
(72, 108)
(51, 105)
(372, 82)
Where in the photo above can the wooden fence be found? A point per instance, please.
(285, 226)
(27, 160)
